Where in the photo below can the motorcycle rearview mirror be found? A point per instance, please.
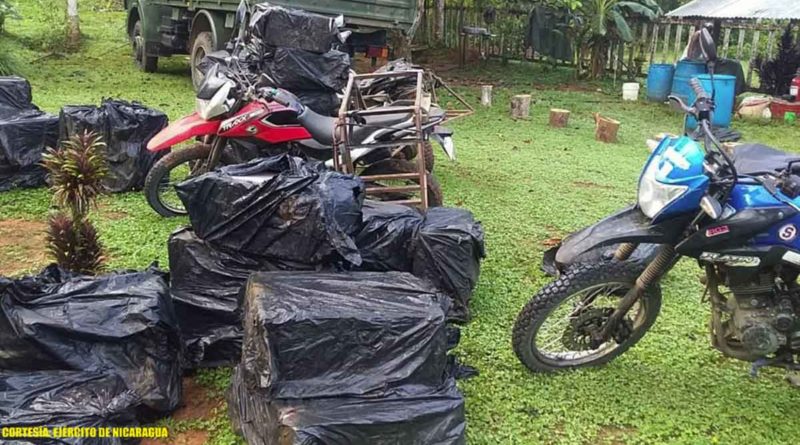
(241, 17)
(707, 45)
(711, 206)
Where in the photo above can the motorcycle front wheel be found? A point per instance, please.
(553, 331)
(175, 167)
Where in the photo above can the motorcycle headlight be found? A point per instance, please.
(655, 196)
(217, 105)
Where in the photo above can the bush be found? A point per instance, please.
(8, 64)
(777, 73)
(76, 170)
(52, 36)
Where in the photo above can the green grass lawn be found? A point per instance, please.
(528, 184)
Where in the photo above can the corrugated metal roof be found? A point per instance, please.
(739, 9)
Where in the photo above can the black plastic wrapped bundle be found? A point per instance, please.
(206, 283)
(121, 323)
(65, 399)
(410, 414)
(326, 334)
(386, 236)
(280, 207)
(126, 128)
(448, 248)
(281, 27)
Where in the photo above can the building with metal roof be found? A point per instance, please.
(739, 10)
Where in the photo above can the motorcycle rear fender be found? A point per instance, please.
(181, 130)
(629, 225)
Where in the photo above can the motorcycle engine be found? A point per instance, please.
(763, 316)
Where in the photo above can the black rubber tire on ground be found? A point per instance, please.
(389, 166)
(161, 169)
(148, 64)
(202, 45)
(580, 276)
(410, 152)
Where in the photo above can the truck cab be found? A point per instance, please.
(162, 28)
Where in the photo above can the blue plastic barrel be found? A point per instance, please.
(685, 70)
(659, 81)
(724, 94)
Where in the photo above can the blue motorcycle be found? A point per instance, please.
(736, 214)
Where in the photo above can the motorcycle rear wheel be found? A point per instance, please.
(159, 186)
(592, 285)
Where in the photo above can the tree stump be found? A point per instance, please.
(606, 130)
(559, 118)
(486, 95)
(521, 106)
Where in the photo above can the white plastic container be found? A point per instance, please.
(630, 91)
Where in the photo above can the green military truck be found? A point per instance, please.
(162, 28)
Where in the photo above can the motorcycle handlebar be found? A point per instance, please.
(698, 88)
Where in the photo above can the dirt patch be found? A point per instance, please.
(106, 212)
(22, 246)
(191, 437)
(570, 87)
(197, 402)
(591, 185)
(554, 236)
(613, 435)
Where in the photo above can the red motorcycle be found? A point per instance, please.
(275, 121)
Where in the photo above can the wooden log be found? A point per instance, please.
(606, 128)
(559, 118)
(521, 106)
(486, 95)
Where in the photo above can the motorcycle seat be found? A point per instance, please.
(750, 159)
(321, 127)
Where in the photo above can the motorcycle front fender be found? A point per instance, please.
(181, 130)
(629, 225)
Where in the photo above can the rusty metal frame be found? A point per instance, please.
(341, 142)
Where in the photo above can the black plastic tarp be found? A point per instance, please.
(410, 414)
(64, 399)
(297, 69)
(21, 177)
(15, 96)
(323, 102)
(281, 27)
(448, 248)
(206, 283)
(386, 235)
(122, 323)
(126, 127)
(281, 207)
(310, 334)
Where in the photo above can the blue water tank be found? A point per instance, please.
(723, 91)
(685, 70)
(659, 81)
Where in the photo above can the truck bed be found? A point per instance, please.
(367, 14)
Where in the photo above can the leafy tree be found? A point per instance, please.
(76, 170)
(7, 10)
(607, 21)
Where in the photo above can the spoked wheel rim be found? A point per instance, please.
(167, 194)
(563, 336)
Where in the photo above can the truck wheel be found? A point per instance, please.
(203, 44)
(145, 63)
